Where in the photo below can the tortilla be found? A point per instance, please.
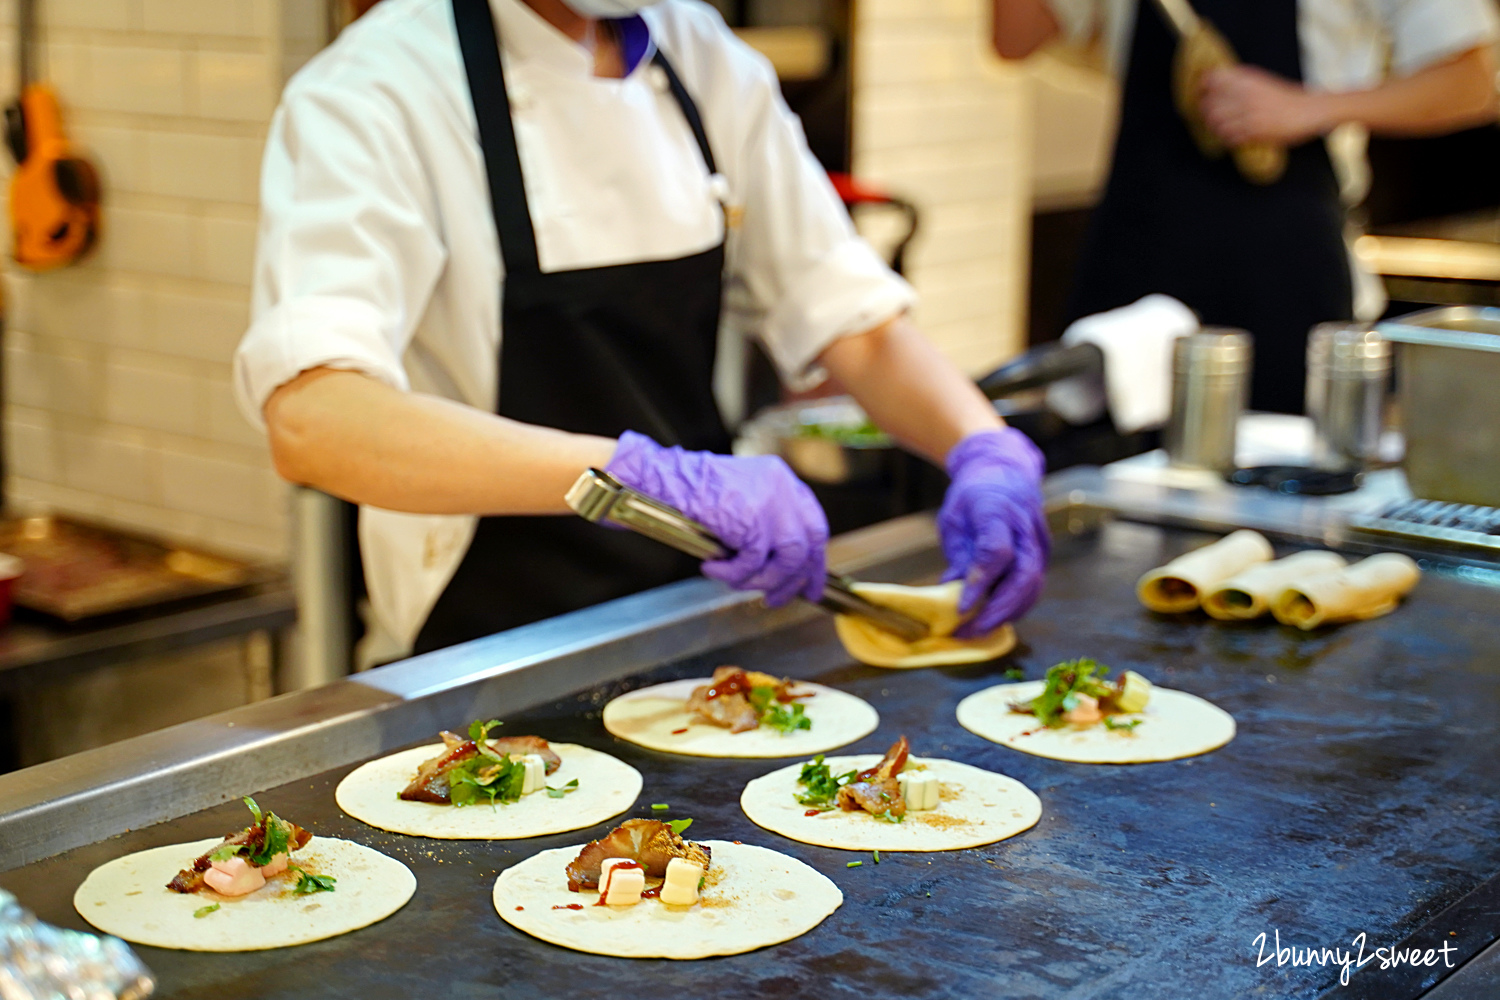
(1249, 594)
(129, 898)
(1368, 589)
(1179, 586)
(606, 787)
(1175, 725)
(752, 897)
(938, 607)
(977, 807)
(651, 717)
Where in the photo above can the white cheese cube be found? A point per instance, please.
(536, 773)
(681, 886)
(621, 886)
(920, 789)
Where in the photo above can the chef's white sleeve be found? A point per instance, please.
(348, 252)
(1425, 32)
(800, 276)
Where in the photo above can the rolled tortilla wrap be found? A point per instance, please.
(1365, 590)
(1249, 594)
(1180, 584)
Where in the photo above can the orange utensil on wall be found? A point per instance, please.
(54, 194)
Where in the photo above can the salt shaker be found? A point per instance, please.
(1210, 384)
(1348, 377)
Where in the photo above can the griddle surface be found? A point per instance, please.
(1360, 795)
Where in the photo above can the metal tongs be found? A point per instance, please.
(600, 497)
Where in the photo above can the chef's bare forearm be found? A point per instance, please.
(909, 389)
(1020, 27)
(1454, 94)
(357, 438)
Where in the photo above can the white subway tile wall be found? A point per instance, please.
(117, 371)
(941, 121)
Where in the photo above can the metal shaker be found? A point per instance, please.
(1348, 377)
(1210, 385)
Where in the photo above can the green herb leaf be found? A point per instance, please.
(204, 911)
(486, 780)
(877, 856)
(277, 839)
(1065, 681)
(478, 731)
(854, 864)
(1110, 722)
(308, 883)
(1014, 674)
(787, 720)
(761, 698)
(822, 785)
(254, 809)
(660, 806)
(557, 793)
(224, 852)
(888, 817)
(679, 825)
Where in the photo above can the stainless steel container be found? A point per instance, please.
(1210, 384)
(1348, 379)
(1448, 362)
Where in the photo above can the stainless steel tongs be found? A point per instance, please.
(598, 496)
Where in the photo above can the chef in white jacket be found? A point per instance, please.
(499, 241)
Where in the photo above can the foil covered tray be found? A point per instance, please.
(76, 570)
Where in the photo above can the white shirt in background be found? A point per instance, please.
(378, 250)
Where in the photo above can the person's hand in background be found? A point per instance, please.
(993, 528)
(756, 506)
(1245, 104)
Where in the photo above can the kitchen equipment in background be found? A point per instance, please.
(855, 193)
(1448, 369)
(1348, 381)
(54, 193)
(11, 569)
(1200, 50)
(599, 497)
(76, 570)
(1459, 526)
(1210, 384)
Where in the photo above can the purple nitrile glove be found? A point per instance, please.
(993, 528)
(756, 506)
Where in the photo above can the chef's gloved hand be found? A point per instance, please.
(756, 506)
(993, 529)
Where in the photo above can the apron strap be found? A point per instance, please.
(479, 41)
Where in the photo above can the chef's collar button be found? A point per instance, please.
(718, 186)
(658, 79)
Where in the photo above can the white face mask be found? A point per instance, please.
(609, 8)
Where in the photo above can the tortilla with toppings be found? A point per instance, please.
(357, 886)
(659, 718)
(606, 787)
(973, 806)
(1174, 724)
(751, 898)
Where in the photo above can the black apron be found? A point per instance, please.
(598, 351)
(1269, 259)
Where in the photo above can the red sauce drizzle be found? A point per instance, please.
(604, 889)
(813, 812)
(679, 732)
(652, 893)
(736, 683)
(520, 908)
(569, 906)
(736, 841)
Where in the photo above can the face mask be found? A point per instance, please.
(609, 8)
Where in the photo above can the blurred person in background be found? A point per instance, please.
(1270, 259)
(478, 276)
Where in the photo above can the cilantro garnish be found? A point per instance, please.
(486, 778)
(877, 856)
(480, 731)
(1110, 722)
(660, 806)
(822, 785)
(204, 911)
(889, 817)
(679, 825)
(557, 793)
(308, 883)
(854, 864)
(254, 809)
(787, 721)
(1014, 674)
(224, 852)
(1065, 682)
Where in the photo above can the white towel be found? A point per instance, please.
(1137, 344)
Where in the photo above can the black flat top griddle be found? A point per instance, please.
(1361, 795)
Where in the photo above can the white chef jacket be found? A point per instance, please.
(378, 250)
(1346, 45)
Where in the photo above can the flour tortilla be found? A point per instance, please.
(1175, 725)
(606, 787)
(938, 607)
(650, 717)
(1180, 585)
(753, 897)
(1249, 594)
(129, 898)
(977, 807)
(1368, 589)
